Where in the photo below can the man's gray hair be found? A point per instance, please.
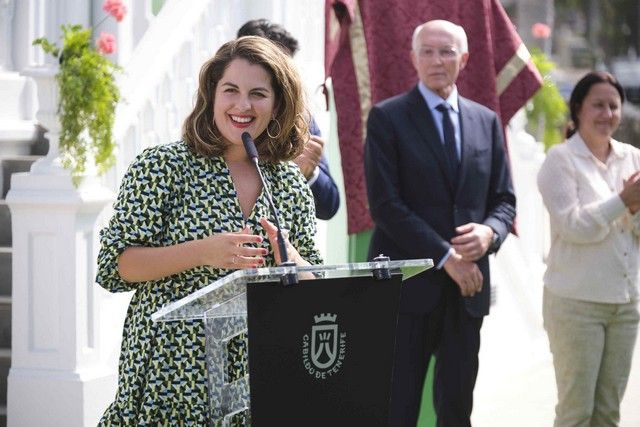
(456, 30)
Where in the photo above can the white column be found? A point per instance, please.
(44, 77)
(7, 8)
(57, 376)
(58, 373)
(43, 18)
(141, 17)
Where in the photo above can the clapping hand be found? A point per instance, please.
(310, 157)
(630, 193)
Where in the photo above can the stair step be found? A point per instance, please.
(40, 146)
(5, 328)
(14, 164)
(17, 142)
(5, 224)
(15, 91)
(5, 271)
(5, 364)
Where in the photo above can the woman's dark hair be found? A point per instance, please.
(581, 90)
(272, 31)
(199, 130)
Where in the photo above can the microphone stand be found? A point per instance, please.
(290, 277)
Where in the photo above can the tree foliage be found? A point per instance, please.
(614, 25)
(547, 108)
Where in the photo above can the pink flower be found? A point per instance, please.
(106, 43)
(115, 8)
(540, 30)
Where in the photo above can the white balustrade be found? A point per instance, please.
(57, 362)
(7, 9)
(47, 116)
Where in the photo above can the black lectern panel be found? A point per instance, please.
(320, 353)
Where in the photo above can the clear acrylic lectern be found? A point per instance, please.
(223, 307)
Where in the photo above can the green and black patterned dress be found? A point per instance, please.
(170, 195)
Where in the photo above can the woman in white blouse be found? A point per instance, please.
(591, 187)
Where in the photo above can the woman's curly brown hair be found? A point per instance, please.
(199, 130)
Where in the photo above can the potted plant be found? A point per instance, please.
(87, 95)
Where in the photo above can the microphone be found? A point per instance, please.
(250, 148)
(252, 152)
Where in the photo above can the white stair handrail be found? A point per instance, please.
(154, 54)
(159, 81)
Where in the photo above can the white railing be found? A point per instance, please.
(159, 81)
(161, 77)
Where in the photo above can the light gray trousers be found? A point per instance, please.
(592, 346)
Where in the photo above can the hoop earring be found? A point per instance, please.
(277, 125)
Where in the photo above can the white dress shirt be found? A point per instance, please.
(594, 252)
(433, 100)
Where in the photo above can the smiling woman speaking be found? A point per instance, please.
(190, 212)
(591, 188)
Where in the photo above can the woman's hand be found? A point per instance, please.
(224, 250)
(233, 250)
(272, 235)
(630, 193)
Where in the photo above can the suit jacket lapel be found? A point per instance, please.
(467, 125)
(423, 121)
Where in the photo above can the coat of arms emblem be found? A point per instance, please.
(325, 348)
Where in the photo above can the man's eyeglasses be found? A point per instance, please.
(444, 52)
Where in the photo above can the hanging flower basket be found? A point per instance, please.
(88, 94)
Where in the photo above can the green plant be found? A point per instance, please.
(547, 110)
(88, 97)
(88, 94)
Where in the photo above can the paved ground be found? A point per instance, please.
(516, 384)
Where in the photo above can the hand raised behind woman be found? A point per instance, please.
(310, 157)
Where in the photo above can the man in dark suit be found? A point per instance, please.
(312, 162)
(439, 187)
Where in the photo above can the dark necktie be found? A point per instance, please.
(449, 140)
